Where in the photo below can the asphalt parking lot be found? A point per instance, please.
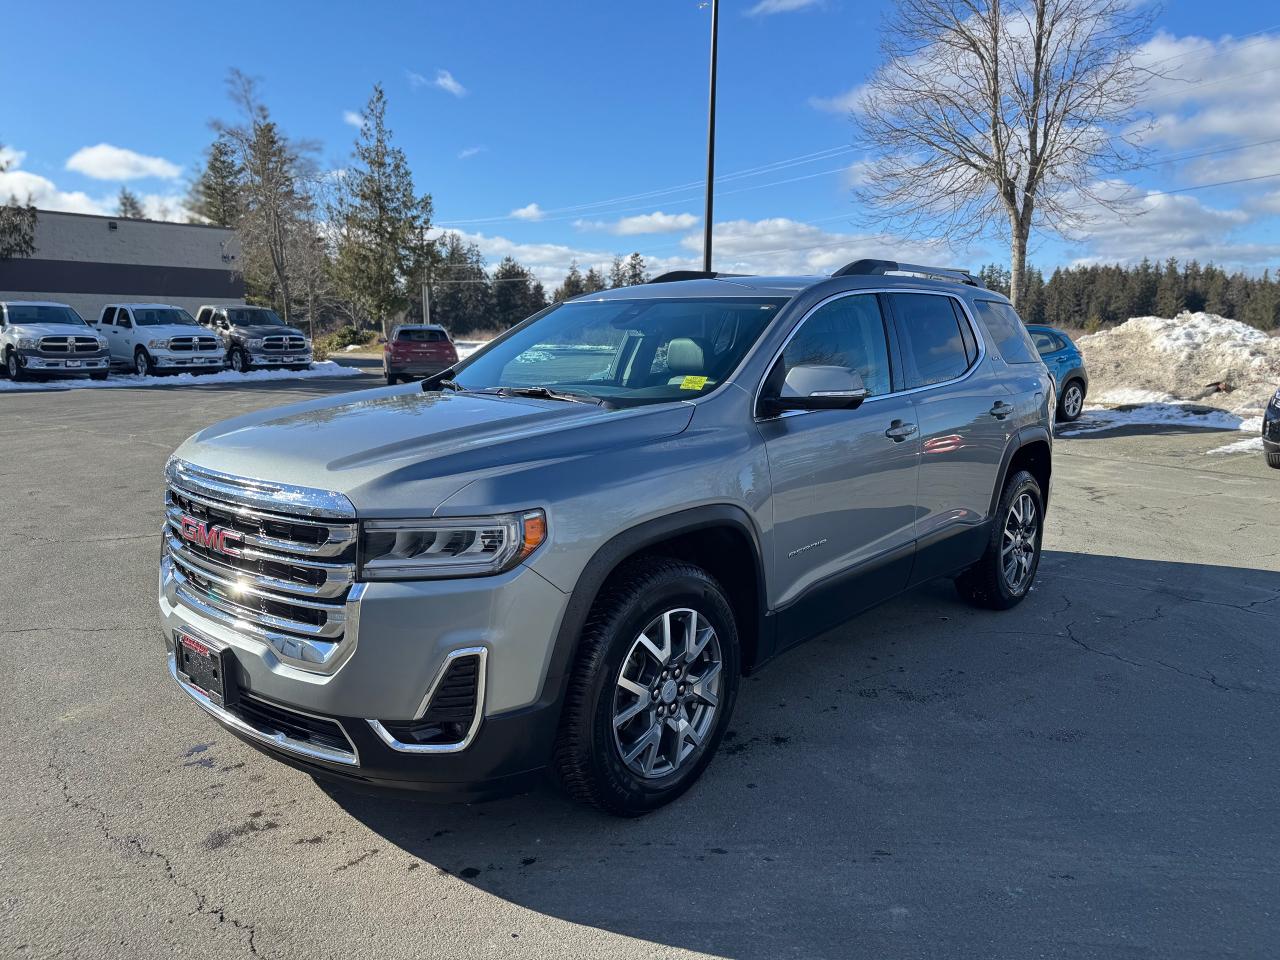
(1094, 774)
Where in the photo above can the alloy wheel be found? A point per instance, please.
(140, 364)
(11, 362)
(1020, 543)
(1073, 401)
(667, 693)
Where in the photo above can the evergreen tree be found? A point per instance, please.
(516, 294)
(461, 295)
(128, 205)
(618, 272)
(593, 281)
(215, 196)
(636, 271)
(382, 222)
(1263, 309)
(574, 285)
(17, 223)
(1171, 295)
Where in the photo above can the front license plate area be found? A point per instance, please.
(205, 667)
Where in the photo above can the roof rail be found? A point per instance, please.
(673, 276)
(880, 267)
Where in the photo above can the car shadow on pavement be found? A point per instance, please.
(1092, 771)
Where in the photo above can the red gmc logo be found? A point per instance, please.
(218, 539)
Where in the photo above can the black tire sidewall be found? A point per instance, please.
(244, 362)
(145, 365)
(1020, 483)
(634, 794)
(1062, 406)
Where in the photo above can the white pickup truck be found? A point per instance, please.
(151, 337)
(39, 338)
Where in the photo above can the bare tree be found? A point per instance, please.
(17, 223)
(991, 117)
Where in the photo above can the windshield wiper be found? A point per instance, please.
(546, 393)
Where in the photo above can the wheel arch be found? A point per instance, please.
(1031, 450)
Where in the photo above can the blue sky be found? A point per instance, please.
(523, 119)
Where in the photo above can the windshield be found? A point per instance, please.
(20, 313)
(253, 317)
(162, 316)
(626, 352)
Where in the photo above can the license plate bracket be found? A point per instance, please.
(206, 667)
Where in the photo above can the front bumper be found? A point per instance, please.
(64, 365)
(399, 637)
(1271, 429)
(280, 359)
(189, 359)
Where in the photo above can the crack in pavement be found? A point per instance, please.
(203, 907)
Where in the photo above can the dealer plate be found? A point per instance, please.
(205, 667)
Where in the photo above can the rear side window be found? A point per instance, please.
(848, 332)
(109, 315)
(1008, 332)
(420, 336)
(935, 346)
(1045, 342)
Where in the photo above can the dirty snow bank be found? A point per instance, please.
(321, 368)
(1159, 360)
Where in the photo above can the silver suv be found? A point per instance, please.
(564, 551)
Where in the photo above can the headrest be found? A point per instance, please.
(684, 355)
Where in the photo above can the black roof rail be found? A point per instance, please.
(879, 267)
(673, 276)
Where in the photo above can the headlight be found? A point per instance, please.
(26, 343)
(253, 344)
(1275, 401)
(158, 344)
(448, 547)
(306, 342)
(102, 343)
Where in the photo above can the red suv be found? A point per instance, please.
(417, 350)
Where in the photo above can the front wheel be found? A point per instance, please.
(11, 366)
(1003, 577)
(143, 365)
(1273, 460)
(1072, 402)
(652, 689)
(239, 361)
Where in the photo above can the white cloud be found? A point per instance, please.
(10, 157)
(445, 81)
(352, 119)
(656, 222)
(846, 102)
(766, 7)
(469, 152)
(530, 212)
(107, 162)
(45, 195)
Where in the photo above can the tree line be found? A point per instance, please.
(1098, 295)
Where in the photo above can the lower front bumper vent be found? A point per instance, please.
(452, 709)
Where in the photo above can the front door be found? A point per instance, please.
(122, 337)
(843, 481)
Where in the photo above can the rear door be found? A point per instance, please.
(844, 481)
(121, 336)
(964, 412)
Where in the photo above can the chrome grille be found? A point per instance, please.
(281, 576)
(284, 343)
(184, 344)
(69, 345)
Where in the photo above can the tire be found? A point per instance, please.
(392, 379)
(239, 361)
(15, 371)
(143, 365)
(1273, 460)
(1071, 403)
(989, 582)
(590, 758)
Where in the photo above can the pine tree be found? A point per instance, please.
(383, 223)
(618, 272)
(128, 205)
(461, 297)
(516, 294)
(1263, 309)
(574, 285)
(1171, 295)
(637, 272)
(215, 196)
(593, 281)
(17, 223)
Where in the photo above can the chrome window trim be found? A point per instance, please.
(277, 739)
(389, 739)
(283, 498)
(863, 291)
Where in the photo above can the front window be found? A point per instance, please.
(253, 317)
(625, 352)
(162, 316)
(23, 313)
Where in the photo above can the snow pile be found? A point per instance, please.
(1198, 357)
(321, 368)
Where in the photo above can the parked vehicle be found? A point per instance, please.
(150, 338)
(565, 550)
(46, 339)
(1271, 431)
(1066, 366)
(417, 350)
(256, 337)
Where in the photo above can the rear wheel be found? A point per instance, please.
(652, 690)
(1003, 577)
(1072, 401)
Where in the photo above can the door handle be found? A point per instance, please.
(1001, 410)
(899, 431)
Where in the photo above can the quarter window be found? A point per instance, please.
(936, 347)
(848, 332)
(1008, 332)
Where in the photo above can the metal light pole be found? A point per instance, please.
(711, 140)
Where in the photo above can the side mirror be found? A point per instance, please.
(813, 386)
(382, 339)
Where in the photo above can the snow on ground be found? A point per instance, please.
(1095, 419)
(324, 368)
(1161, 360)
(466, 348)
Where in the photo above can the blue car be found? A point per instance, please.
(1066, 366)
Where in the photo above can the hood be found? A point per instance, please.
(170, 330)
(399, 451)
(51, 330)
(267, 330)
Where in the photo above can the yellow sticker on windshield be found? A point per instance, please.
(693, 383)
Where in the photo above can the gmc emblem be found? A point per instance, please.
(217, 539)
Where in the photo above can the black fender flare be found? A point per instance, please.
(1028, 434)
